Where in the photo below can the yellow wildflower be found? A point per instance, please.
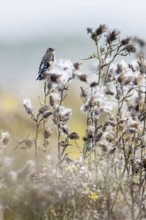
(93, 196)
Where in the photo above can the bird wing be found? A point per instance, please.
(46, 64)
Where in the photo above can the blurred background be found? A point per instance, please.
(28, 28)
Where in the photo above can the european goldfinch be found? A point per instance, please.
(46, 64)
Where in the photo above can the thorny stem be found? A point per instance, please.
(45, 103)
(36, 141)
(133, 203)
(141, 187)
(118, 118)
(144, 113)
(38, 122)
(99, 58)
(107, 180)
(20, 142)
(105, 78)
(58, 142)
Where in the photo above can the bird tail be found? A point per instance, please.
(38, 77)
(41, 76)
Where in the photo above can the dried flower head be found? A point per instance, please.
(7, 161)
(132, 67)
(128, 80)
(47, 114)
(77, 65)
(85, 139)
(27, 105)
(89, 30)
(62, 114)
(140, 41)
(84, 108)
(74, 136)
(93, 84)
(12, 176)
(5, 137)
(104, 146)
(43, 109)
(98, 136)
(49, 85)
(118, 93)
(130, 48)
(92, 101)
(142, 65)
(112, 36)
(112, 150)
(108, 91)
(65, 64)
(119, 68)
(83, 78)
(125, 41)
(109, 136)
(121, 77)
(111, 122)
(55, 78)
(137, 80)
(65, 130)
(51, 100)
(63, 71)
(47, 133)
(28, 143)
(83, 93)
(144, 161)
(94, 36)
(90, 130)
(101, 29)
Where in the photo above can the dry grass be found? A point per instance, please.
(107, 180)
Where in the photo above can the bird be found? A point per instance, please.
(46, 64)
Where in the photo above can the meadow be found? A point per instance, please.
(83, 151)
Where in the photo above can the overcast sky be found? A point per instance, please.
(28, 27)
(24, 19)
